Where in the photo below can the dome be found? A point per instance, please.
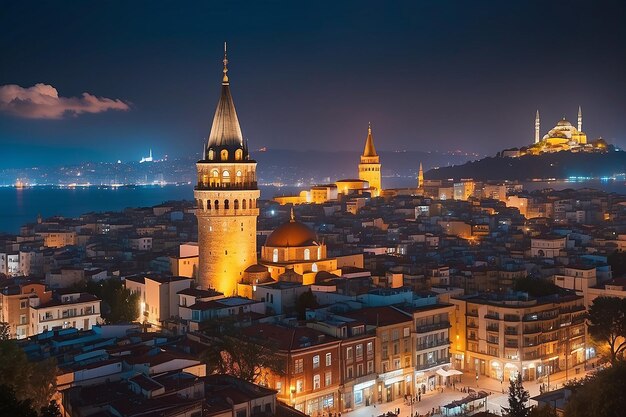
(292, 234)
(563, 122)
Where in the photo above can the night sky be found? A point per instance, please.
(429, 75)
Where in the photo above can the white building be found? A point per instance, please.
(78, 310)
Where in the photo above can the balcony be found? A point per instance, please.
(532, 330)
(511, 331)
(492, 316)
(428, 345)
(472, 325)
(472, 313)
(432, 327)
(510, 317)
(250, 185)
(493, 328)
(514, 345)
(428, 365)
(493, 341)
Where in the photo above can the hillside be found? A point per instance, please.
(558, 165)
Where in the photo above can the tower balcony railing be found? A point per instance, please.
(247, 185)
(229, 212)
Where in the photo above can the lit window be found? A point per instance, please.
(316, 382)
(316, 361)
(329, 359)
(275, 255)
(307, 254)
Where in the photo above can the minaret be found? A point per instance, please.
(537, 127)
(369, 168)
(226, 196)
(420, 178)
(580, 119)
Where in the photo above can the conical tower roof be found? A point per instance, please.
(369, 144)
(225, 131)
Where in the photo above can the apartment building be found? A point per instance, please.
(357, 352)
(158, 295)
(393, 350)
(507, 334)
(15, 300)
(431, 344)
(312, 366)
(68, 309)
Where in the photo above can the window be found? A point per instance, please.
(359, 352)
(314, 267)
(307, 254)
(406, 332)
(275, 255)
(316, 381)
(370, 347)
(395, 335)
(396, 364)
(349, 352)
(350, 372)
(329, 359)
(22, 318)
(298, 366)
(224, 155)
(359, 370)
(370, 367)
(328, 378)
(299, 385)
(238, 154)
(316, 361)
(23, 304)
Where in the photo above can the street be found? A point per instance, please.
(435, 399)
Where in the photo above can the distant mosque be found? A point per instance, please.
(146, 158)
(563, 137)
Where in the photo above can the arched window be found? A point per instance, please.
(319, 253)
(314, 267)
(208, 204)
(307, 254)
(205, 179)
(226, 205)
(238, 154)
(243, 202)
(238, 174)
(236, 204)
(225, 174)
(250, 204)
(224, 155)
(211, 154)
(275, 255)
(217, 204)
(215, 173)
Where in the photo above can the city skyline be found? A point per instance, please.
(422, 74)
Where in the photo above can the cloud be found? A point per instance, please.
(42, 101)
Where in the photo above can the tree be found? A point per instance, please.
(5, 330)
(601, 395)
(607, 324)
(518, 397)
(119, 305)
(51, 410)
(238, 355)
(34, 381)
(545, 411)
(11, 406)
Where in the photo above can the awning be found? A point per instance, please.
(451, 372)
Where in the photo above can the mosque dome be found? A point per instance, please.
(563, 122)
(291, 234)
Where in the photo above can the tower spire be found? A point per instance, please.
(580, 119)
(420, 177)
(537, 127)
(225, 61)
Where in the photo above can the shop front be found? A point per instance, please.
(393, 385)
(363, 393)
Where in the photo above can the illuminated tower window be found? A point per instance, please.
(238, 155)
(275, 255)
(307, 254)
(224, 155)
(314, 267)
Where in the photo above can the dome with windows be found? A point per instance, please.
(292, 234)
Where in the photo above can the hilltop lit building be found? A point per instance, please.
(226, 195)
